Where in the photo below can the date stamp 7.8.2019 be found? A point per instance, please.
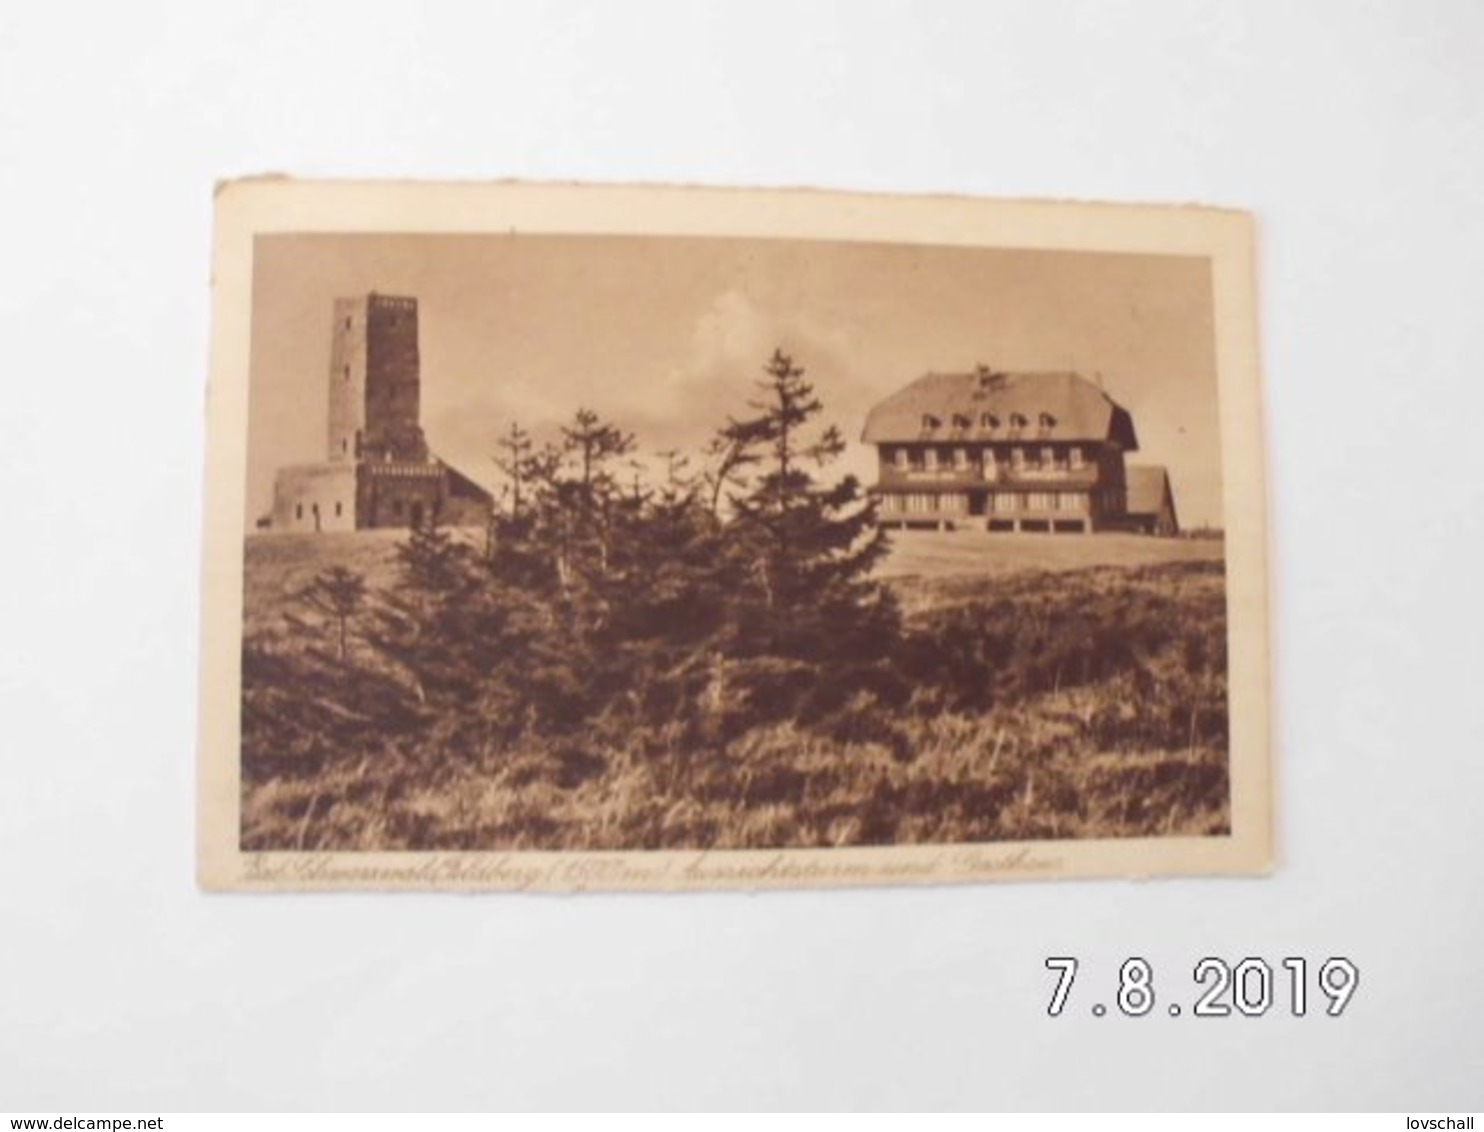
(1251, 988)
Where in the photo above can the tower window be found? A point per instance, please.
(337, 509)
(347, 322)
(347, 372)
(298, 510)
(344, 446)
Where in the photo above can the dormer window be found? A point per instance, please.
(989, 421)
(960, 420)
(1048, 422)
(929, 422)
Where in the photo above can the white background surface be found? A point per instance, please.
(1353, 130)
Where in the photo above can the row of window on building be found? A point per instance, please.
(933, 502)
(314, 510)
(928, 458)
(400, 509)
(988, 421)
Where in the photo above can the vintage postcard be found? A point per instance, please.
(578, 537)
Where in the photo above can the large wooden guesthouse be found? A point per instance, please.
(1002, 452)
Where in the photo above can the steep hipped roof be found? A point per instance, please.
(1079, 409)
(1148, 490)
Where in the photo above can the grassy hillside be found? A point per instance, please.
(1049, 687)
(935, 554)
(280, 564)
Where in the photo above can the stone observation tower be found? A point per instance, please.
(378, 471)
(375, 389)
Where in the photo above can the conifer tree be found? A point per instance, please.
(729, 454)
(337, 594)
(808, 547)
(515, 452)
(419, 623)
(595, 444)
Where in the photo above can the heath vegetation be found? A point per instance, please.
(711, 656)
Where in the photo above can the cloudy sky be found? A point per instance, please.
(666, 336)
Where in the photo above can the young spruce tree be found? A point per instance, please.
(806, 547)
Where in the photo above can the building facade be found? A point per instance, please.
(1005, 452)
(378, 470)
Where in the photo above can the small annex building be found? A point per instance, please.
(1151, 501)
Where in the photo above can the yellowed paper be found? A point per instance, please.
(570, 537)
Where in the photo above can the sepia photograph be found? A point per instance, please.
(716, 556)
(683, 539)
